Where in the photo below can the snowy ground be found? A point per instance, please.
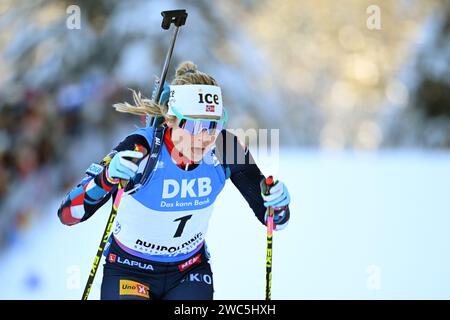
(364, 226)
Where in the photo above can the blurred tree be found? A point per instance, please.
(126, 43)
(311, 68)
(433, 94)
(425, 119)
(331, 70)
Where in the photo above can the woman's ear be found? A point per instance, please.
(168, 122)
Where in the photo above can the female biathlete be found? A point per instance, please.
(157, 248)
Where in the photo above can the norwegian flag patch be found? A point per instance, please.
(210, 108)
(112, 258)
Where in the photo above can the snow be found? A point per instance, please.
(363, 226)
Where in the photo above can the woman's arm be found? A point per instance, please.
(96, 187)
(246, 176)
(246, 179)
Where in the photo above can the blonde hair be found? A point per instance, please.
(186, 73)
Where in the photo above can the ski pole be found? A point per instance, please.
(106, 233)
(178, 18)
(269, 183)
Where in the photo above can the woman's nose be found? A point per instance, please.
(203, 138)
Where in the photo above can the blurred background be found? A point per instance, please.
(358, 89)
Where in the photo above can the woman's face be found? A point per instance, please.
(193, 147)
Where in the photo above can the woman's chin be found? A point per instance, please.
(196, 154)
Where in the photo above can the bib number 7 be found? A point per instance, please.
(181, 225)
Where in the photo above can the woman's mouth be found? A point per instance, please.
(197, 149)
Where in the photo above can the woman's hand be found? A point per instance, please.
(277, 197)
(122, 165)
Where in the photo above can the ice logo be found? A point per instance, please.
(171, 188)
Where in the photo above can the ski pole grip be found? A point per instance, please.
(139, 148)
(266, 184)
(177, 17)
(269, 183)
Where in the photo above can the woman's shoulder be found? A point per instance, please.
(141, 136)
(230, 150)
(146, 132)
